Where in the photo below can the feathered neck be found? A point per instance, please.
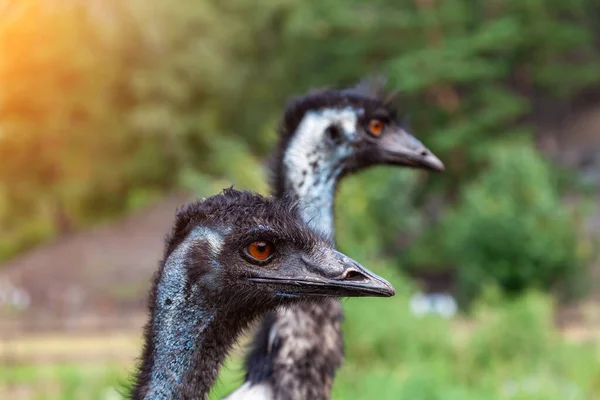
(184, 357)
(187, 337)
(309, 167)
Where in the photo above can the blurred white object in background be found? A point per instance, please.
(433, 303)
(12, 296)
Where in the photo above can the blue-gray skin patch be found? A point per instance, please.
(178, 325)
(286, 294)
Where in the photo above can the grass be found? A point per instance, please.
(93, 381)
(507, 350)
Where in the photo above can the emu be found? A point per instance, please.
(324, 136)
(229, 259)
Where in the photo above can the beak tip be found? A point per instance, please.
(435, 164)
(389, 290)
(381, 288)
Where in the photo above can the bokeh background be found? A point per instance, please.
(115, 112)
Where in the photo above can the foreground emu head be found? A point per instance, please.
(229, 259)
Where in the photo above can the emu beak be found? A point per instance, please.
(402, 148)
(327, 273)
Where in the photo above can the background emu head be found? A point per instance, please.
(329, 133)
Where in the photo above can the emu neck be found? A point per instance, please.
(188, 355)
(187, 337)
(316, 199)
(312, 164)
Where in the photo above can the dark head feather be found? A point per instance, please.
(371, 86)
(241, 208)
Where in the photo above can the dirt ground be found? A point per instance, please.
(104, 271)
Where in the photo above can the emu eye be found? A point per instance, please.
(334, 132)
(260, 250)
(376, 127)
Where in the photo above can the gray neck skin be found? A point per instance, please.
(190, 340)
(186, 362)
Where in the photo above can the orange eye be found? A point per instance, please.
(260, 250)
(375, 127)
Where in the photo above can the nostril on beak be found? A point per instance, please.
(424, 153)
(353, 276)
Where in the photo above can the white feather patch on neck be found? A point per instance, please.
(311, 162)
(248, 391)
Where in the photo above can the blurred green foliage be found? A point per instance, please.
(509, 228)
(123, 102)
